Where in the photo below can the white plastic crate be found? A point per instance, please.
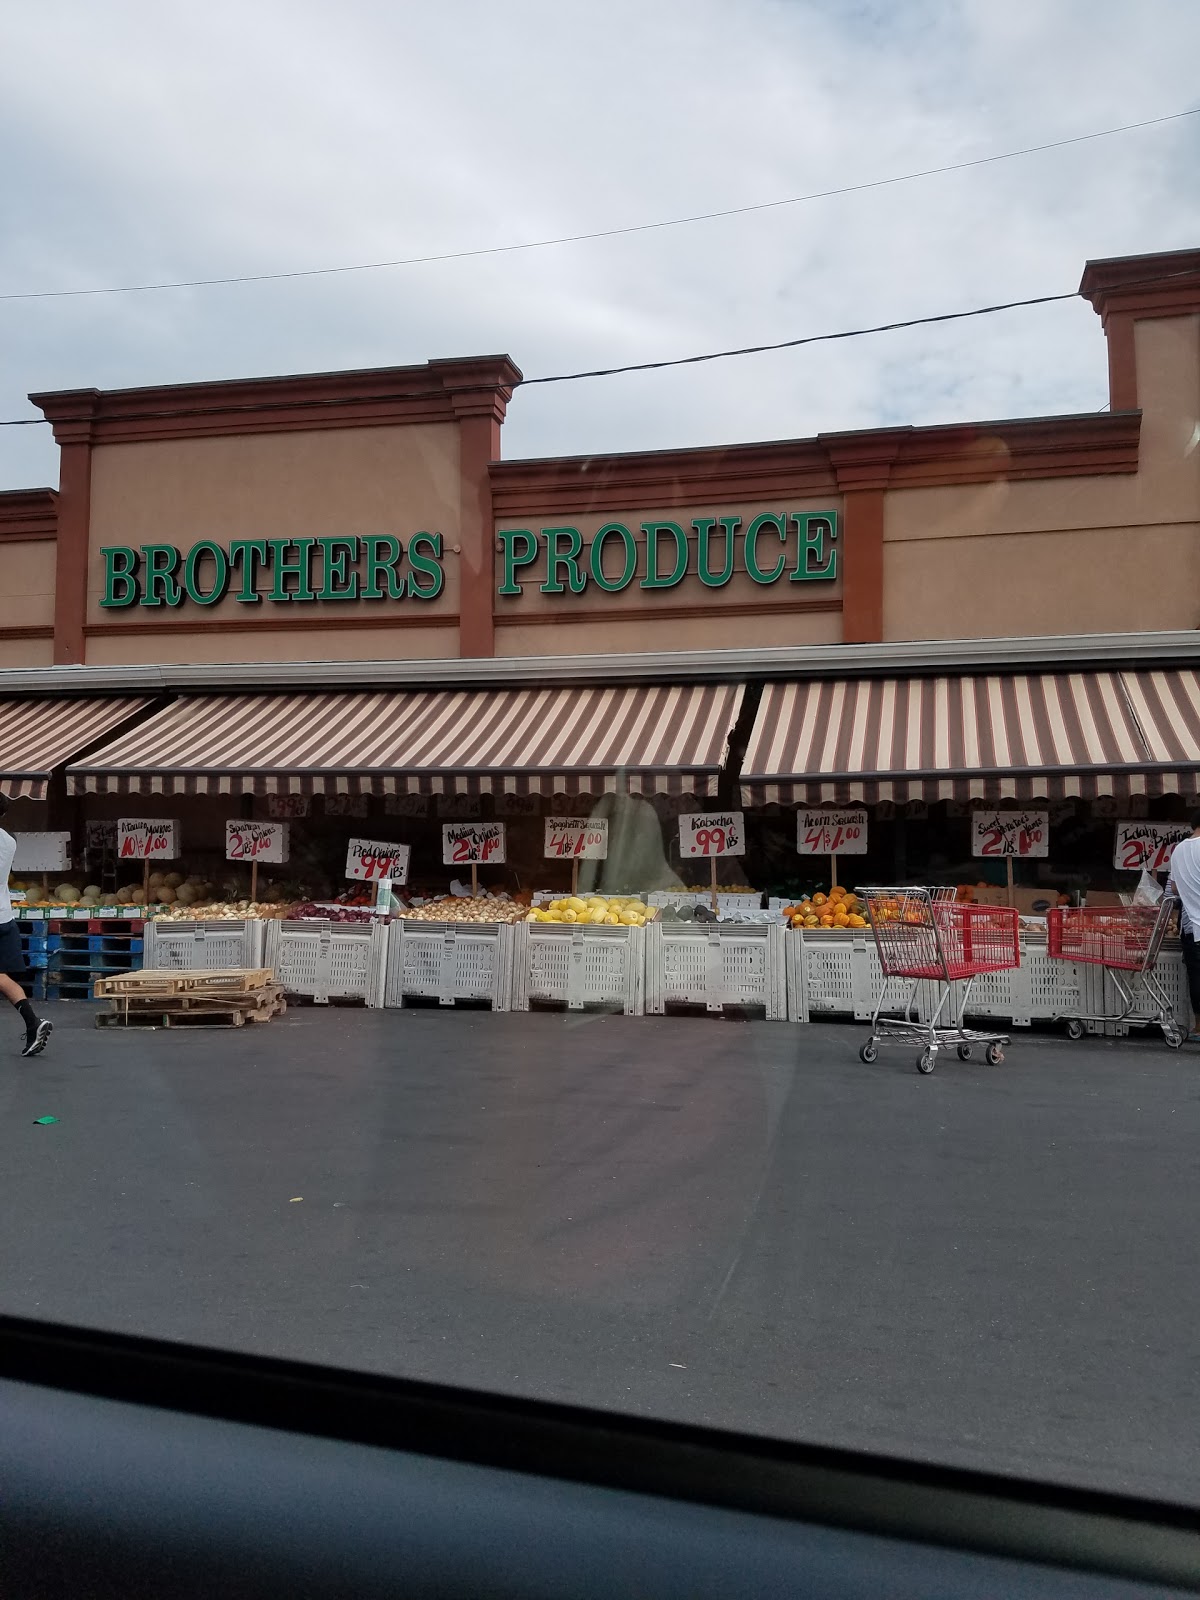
(677, 897)
(203, 946)
(450, 961)
(1099, 993)
(712, 966)
(329, 960)
(578, 965)
(833, 974)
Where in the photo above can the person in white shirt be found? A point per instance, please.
(1184, 882)
(12, 957)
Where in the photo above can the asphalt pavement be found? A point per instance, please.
(732, 1223)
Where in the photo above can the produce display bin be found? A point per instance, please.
(705, 964)
(448, 962)
(328, 960)
(203, 946)
(580, 964)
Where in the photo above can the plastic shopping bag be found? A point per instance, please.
(1148, 892)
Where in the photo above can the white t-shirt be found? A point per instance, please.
(8, 849)
(1185, 875)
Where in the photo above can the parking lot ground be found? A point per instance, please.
(732, 1223)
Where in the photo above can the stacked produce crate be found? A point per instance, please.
(67, 953)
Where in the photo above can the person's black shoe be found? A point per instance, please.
(35, 1042)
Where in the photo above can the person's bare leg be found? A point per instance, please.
(11, 991)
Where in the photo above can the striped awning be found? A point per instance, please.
(1018, 737)
(39, 735)
(651, 738)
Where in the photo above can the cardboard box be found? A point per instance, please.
(1029, 902)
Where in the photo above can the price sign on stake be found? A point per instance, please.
(829, 832)
(147, 840)
(470, 843)
(712, 834)
(255, 842)
(1007, 834)
(371, 860)
(1147, 845)
(576, 839)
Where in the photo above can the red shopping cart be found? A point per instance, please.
(927, 935)
(1127, 942)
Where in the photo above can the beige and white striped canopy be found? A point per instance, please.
(654, 738)
(38, 735)
(1019, 736)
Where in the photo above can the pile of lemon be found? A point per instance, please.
(614, 910)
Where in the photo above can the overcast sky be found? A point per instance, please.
(143, 140)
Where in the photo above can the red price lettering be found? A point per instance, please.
(1134, 856)
(991, 841)
(711, 841)
(462, 850)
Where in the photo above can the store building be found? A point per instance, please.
(334, 584)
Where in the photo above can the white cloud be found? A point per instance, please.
(150, 142)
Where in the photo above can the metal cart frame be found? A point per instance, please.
(1126, 941)
(926, 935)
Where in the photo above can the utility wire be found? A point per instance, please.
(601, 233)
(225, 409)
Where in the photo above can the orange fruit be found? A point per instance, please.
(818, 899)
(827, 922)
(837, 892)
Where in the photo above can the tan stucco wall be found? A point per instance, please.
(667, 623)
(688, 633)
(1069, 555)
(391, 480)
(26, 652)
(27, 583)
(363, 644)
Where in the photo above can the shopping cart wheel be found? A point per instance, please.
(964, 1052)
(869, 1052)
(1074, 1028)
(926, 1060)
(1173, 1037)
(994, 1054)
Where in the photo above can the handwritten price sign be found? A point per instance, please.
(142, 840)
(577, 839)
(367, 858)
(458, 805)
(289, 805)
(712, 833)
(517, 805)
(256, 841)
(472, 843)
(832, 833)
(1010, 833)
(406, 805)
(1147, 845)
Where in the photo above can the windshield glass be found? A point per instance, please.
(600, 707)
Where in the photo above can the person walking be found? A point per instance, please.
(12, 957)
(1184, 882)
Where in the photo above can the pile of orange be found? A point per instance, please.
(837, 909)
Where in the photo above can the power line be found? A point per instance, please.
(601, 233)
(226, 409)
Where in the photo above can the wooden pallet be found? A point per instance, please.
(163, 982)
(191, 1010)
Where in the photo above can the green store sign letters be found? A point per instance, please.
(782, 546)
